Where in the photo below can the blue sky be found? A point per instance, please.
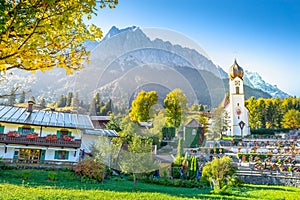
(264, 35)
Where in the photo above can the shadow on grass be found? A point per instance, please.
(269, 187)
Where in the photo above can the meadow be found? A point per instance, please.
(45, 184)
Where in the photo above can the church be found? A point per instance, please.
(234, 104)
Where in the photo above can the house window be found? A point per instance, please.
(61, 155)
(25, 130)
(29, 155)
(63, 132)
(194, 132)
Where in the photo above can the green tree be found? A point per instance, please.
(291, 119)
(69, 99)
(92, 107)
(141, 105)
(175, 105)
(40, 35)
(138, 159)
(75, 101)
(261, 112)
(12, 97)
(278, 112)
(159, 122)
(61, 101)
(43, 103)
(220, 123)
(105, 152)
(204, 121)
(251, 105)
(217, 170)
(22, 97)
(180, 151)
(105, 109)
(113, 124)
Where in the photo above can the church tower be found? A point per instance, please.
(238, 113)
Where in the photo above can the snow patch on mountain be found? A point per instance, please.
(258, 83)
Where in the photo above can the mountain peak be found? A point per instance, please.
(115, 31)
(257, 82)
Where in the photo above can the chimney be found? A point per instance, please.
(30, 102)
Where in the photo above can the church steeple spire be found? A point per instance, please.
(236, 71)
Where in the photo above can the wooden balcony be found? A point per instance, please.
(37, 163)
(40, 141)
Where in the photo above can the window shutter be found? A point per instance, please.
(67, 155)
(16, 155)
(20, 129)
(69, 133)
(58, 134)
(31, 130)
(1, 129)
(43, 154)
(56, 155)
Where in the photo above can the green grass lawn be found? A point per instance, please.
(34, 184)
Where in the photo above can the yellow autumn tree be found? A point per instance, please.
(141, 106)
(42, 34)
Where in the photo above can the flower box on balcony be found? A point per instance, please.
(51, 137)
(13, 134)
(32, 136)
(68, 138)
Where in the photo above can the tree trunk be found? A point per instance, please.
(134, 181)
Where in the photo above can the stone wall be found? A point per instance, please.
(269, 180)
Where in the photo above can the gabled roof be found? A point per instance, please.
(193, 123)
(18, 115)
(225, 102)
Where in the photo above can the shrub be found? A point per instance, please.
(52, 176)
(217, 170)
(25, 175)
(90, 168)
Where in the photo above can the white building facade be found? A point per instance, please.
(38, 136)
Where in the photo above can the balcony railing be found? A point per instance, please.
(37, 163)
(39, 141)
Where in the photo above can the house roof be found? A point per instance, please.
(193, 123)
(146, 124)
(18, 115)
(100, 118)
(101, 132)
(164, 158)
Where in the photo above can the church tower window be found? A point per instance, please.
(237, 90)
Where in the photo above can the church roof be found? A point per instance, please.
(235, 71)
(193, 123)
(225, 102)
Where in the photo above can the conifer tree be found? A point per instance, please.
(22, 97)
(69, 99)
